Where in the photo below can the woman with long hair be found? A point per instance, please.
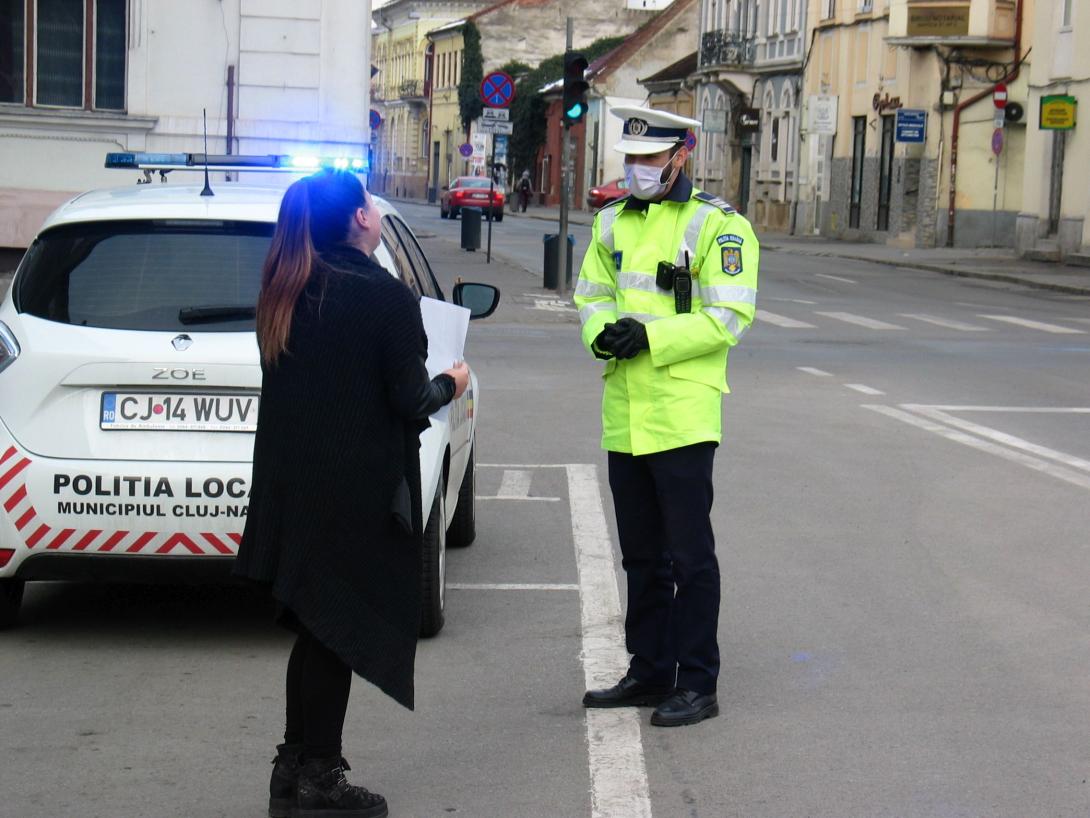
(334, 522)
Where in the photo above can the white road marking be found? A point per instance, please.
(511, 586)
(1025, 322)
(999, 437)
(821, 373)
(862, 321)
(944, 322)
(552, 305)
(1059, 472)
(618, 774)
(518, 497)
(836, 278)
(515, 483)
(782, 320)
(866, 390)
(1062, 410)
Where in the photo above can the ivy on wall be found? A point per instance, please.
(469, 89)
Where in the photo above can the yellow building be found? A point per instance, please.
(447, 133)
(931, 68)
(401, 91)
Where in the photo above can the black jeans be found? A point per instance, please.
(663, 503)
(317, 692)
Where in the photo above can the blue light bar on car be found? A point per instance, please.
(269, 163)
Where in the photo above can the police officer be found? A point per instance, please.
(667, 287)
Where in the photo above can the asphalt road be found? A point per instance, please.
(902, 526)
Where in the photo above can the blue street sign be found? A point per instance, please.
(910, 125)
(497, 90)
(375, 119)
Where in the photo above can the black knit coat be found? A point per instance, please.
(337, 438)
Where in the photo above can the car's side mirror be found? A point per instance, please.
(480, 299)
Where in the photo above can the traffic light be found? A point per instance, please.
(575, 88)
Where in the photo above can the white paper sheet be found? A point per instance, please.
(446, 326)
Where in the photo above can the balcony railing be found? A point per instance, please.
(412, 89)
(727, 48)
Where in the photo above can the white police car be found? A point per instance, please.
(129, 387)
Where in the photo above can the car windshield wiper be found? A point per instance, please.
(215, 312)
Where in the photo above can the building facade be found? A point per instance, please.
(881, 62)
(779, 50)
(1055, 217)
(401, 91)
(81, 79)
(723, 88)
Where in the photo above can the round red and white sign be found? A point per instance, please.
(999, 95)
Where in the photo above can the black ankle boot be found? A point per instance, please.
(324, 792)
(285, 776)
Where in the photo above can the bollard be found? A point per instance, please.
(552, 249)
(471, 228)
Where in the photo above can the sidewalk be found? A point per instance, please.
(988, 263)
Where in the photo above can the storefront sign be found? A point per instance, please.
(821, 113)
(910, 125)
(886, 103)
(1058, 112)
(749, 119)
(937, 21)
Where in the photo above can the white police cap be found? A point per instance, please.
(649, 131)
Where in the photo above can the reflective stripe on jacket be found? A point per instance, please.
(671, 396)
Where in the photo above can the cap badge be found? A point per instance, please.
(637, 127)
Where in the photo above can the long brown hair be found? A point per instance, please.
(314, 216)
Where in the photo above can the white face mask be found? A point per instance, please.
(645, 181)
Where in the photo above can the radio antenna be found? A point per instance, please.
(207, 187)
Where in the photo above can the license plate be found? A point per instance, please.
(178, 412)
(478, 195)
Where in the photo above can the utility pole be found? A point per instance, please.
(565, 194)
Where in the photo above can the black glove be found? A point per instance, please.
(628, 338)
(603, 344)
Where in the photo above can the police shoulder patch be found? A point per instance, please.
(732, 259)
(714, 201)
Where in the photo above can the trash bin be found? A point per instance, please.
(552, 250)
(471, 228)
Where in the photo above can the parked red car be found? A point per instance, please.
(604, 194)
(470, 191)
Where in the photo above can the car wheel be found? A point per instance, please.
(434, 595)
(11, 597)
(453, 212)
(498, 216)
(463, 526)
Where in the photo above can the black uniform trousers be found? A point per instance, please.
(663, 503)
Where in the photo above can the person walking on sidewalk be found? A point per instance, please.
(525, 187)
(668, 285)
(334, 517)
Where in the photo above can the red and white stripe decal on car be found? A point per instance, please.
(35, 532)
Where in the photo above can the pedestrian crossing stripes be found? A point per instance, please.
(944, 322)
(782, 320)
(1041, 325)
(860, 320)
(1012, 322)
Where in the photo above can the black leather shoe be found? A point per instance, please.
(685, 707)
(628, 693)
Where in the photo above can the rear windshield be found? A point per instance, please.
(146, 275)
(475, 183)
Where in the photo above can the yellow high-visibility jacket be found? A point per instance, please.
(671, 395)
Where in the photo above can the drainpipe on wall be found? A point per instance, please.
(1011, 77)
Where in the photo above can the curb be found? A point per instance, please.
(937, 268)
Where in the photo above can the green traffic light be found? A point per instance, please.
(575, 111)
